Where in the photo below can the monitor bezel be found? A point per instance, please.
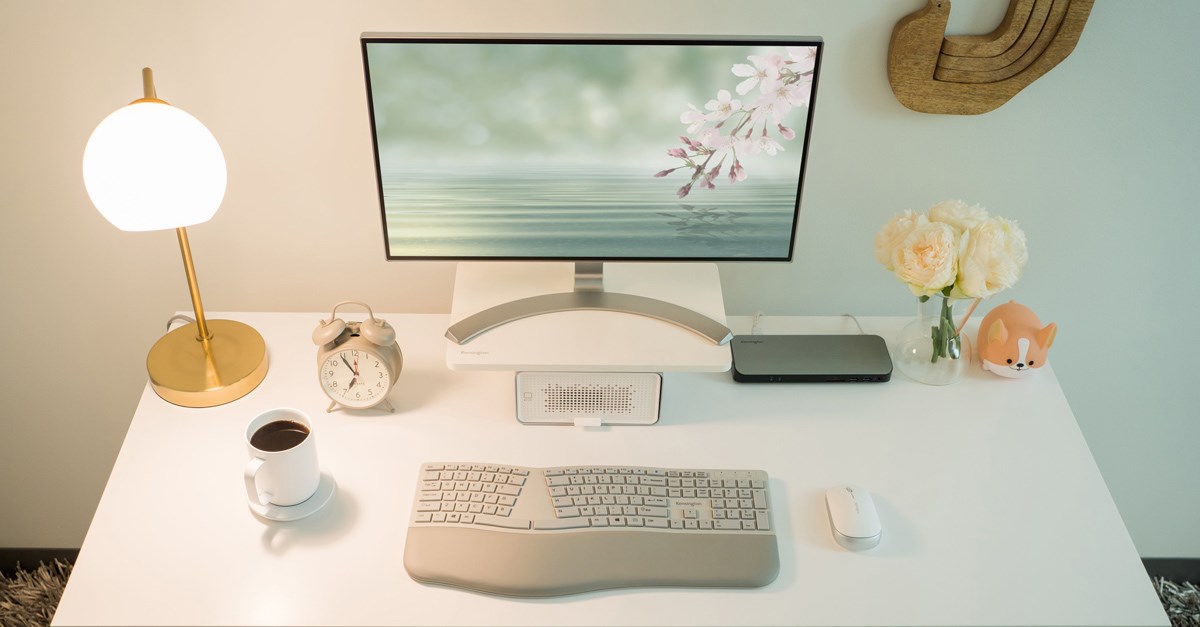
(592, 39)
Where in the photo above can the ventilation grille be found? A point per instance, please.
(563, 397)
(579, 398)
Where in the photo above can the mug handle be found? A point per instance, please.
(252, 493)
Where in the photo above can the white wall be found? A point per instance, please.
(1097, 160)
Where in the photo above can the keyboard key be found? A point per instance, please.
(423, 517)
(656, 523)
(599, 521)
(656, 512)
(503, 523)
(727, 525)
(430, 496)
(566, 512)
(762, 521)
(570, 523)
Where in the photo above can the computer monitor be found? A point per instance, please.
(590, 149)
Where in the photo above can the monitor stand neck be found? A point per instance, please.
(588, 294)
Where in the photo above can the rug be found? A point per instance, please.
(29, 597)
(1180, 600)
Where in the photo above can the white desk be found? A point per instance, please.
(993, 509)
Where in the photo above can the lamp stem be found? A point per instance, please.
(148, 83)
(197, 307)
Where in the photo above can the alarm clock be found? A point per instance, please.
(357, 362)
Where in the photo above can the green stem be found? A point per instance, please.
(944, 335)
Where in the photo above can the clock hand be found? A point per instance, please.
(352, 369)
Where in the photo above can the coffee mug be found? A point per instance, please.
(283, 467)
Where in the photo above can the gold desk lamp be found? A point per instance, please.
(150, 166)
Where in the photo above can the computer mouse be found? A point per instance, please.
(852, 517)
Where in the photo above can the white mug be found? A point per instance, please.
(283, 467)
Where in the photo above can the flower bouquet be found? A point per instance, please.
(955, 253)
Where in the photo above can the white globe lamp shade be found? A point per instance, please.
(151, 166)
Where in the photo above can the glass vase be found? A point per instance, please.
(931, 349)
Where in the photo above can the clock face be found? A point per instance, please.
(355, 378)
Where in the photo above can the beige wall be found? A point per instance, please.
(1097, 160)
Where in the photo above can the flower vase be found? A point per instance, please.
(931, 349)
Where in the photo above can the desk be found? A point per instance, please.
(993, 510)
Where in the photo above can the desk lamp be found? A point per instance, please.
(151, 166)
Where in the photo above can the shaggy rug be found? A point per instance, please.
(28, 598)
(1182, 601)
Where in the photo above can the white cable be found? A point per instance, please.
(860, 329)
(755, 328)
(178, 317)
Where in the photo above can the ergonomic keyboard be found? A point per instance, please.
(532, 532)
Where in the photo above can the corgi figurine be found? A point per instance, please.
(1012, 341)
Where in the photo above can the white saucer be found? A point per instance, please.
(318, 500)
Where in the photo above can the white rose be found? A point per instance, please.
(991, 258)
(893, 233)
(927, 260)
(957, 214)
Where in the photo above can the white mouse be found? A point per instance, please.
(853, 517)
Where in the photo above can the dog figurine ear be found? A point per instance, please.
(997, 332)
(1045, 337)
(327, 332)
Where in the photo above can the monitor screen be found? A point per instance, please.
(564, 148)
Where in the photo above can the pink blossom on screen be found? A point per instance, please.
(694, 118)
(766, 67)
(768, 145)
(729, 127)
(803, 58)
(737, 172)
(723, 106)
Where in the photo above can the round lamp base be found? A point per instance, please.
(190, 373)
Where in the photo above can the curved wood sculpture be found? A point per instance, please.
(973, 74)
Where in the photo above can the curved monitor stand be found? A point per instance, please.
(588, 294)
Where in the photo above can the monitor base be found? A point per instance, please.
(468, 328)
(561, 316)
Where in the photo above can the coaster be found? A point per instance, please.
(318, 500)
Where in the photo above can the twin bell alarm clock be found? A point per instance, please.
(357, 362)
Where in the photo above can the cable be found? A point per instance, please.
(177, 317)
(755, 328)
(860, 329)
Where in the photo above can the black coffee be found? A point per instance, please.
(280, 435)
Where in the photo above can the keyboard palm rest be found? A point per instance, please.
(532, 532)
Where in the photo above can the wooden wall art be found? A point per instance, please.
(970, 74)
